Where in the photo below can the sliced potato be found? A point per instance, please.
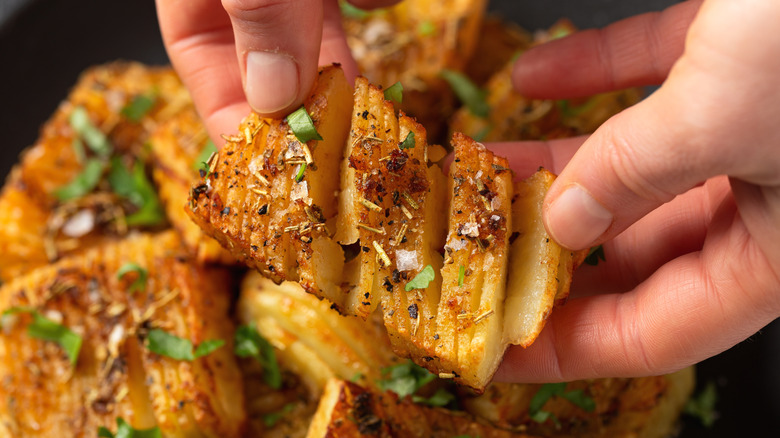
(176, 146)
(115, 375)
(312, 339)
(267, 197)
(646, 407)
(348, 410)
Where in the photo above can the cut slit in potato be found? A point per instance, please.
(258, 203)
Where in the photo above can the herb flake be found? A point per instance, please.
(82, 183)
(47, 330)
(271, 419)
(301, 172)
(139, 283)
(204, 155)
(472, 96)
(137, 108)
(404, 379)
(136, 188)
(249, 343)
(594, 255)
(421, 280)
(124, 430)
(702, 405)
(95, 139)
(303, 126)
(395, 92)
(461, 275)
(408, 142)
(168, 345)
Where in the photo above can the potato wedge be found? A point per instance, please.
(348, 410)
(267, 196)
(115, 374)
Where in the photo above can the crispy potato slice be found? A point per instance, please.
(623, 407)
(411, 43)
(176, 145)
(267, 197)
(312, 339)
(29, 204)
(115, 375)
(348, 410)
(470, 314)
(534, 259)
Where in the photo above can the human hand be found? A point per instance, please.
(259, 54)
(684, 188)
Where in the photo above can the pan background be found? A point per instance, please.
(45, 44)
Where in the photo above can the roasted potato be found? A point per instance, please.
(103, 368)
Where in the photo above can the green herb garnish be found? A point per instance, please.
(204, 155)
(168, 345)
(702, 405)
(594, 255)
(78, 150)
(440, 398)
(136, 188)
(301, 171)
(249, 343)
(82, 183)
(139, 283)
(426, 28)
(421, 280)
(47, 330)
(550, 390)
(461, 275)
(472, 96)
(405, 378)
(303, 126)
(408, 142)
(352, 11)
(483, 133)
(94, 138)
(124, 430)
(271, 419)
(569, 111)
(395, 92)
(137, 108)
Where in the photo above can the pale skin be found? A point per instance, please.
(683, 189)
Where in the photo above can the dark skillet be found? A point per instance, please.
(45, 44)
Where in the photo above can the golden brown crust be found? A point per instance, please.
(115, 374)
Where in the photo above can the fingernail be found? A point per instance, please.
(271, 81)
(575, 219)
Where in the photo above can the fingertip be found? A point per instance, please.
(272, 84)
(575, 219)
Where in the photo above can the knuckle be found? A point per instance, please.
(255, 10)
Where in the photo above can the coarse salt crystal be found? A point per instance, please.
(406, 260)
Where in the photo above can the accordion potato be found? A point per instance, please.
(76, 349)
(267, 196)
(411, 43)
(177, 146)
(348, 410)
(261, 201)
(645, 407)
(59, 199)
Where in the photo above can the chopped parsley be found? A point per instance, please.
(136, 188)
(472, 96)
(702, 405)
(249, 343)
(404, 379)
(408, 142)
(421, 280)
(78, 149)
(550, 390)
(168, 345)
(82, 183)
(395, 92)
(139, 283)
(124, 430)
(47, 330)
(303, 126)
(204, 155)
(594, 255)
(569, 111)
(440, 398)
(137, 108)
(95, 139)
(426, 28)
(301, 172)
(271, 419)
(351, 11)
(461, 275)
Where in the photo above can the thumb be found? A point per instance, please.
(278, 46)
